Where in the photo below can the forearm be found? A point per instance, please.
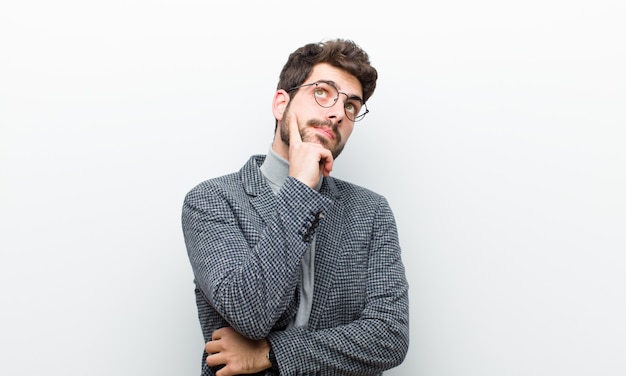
(364, 347)
(246, 271)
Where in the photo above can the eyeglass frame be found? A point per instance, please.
(332, 84)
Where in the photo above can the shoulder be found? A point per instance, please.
(231, 183)
(362, 207)
(346, 188)
(216, 184)
(355, 195)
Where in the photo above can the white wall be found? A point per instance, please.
(496, 133)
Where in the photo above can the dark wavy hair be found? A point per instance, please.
(341, 53)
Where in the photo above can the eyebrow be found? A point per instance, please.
(337, 86)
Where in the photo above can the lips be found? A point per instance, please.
(326, 131)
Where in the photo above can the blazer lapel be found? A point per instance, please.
(327, 251)
(261, 195)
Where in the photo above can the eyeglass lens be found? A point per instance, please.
(327, 95)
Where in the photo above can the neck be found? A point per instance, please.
(279, 147)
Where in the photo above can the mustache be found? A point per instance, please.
(322, 123)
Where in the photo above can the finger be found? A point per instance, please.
(213, 360)
(212, 347)
(218, 334)
(326, 163)
(294, 131)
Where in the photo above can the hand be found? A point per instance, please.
(240, 355)
(307, 160)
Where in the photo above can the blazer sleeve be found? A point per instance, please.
(377, 340)
(249, 276)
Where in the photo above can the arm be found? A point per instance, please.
(375, 341)
(250, 286)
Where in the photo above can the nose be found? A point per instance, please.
(336, 111)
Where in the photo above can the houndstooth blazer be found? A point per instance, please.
(245, 244)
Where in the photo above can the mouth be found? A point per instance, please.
(327, 132)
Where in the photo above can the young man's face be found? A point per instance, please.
(328, 126)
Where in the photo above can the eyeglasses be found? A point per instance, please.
(326, 95)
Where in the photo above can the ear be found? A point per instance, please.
(279, 104)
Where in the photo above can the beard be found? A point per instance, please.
(335, 146)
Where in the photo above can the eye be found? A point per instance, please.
(320, 92)
(353, 106)
(350, 108)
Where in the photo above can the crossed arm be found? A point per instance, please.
(252, 287)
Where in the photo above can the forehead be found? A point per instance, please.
(343, 80)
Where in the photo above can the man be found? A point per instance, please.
(297, 272)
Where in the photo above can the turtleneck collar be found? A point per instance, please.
(276, 170)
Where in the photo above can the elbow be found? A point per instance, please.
(399, 347)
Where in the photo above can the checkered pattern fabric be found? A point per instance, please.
(245, 245)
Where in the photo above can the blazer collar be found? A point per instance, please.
(255, 185)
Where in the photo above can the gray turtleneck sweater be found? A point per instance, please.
(276, 170)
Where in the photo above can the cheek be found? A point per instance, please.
(345, 132)
(306, 112)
